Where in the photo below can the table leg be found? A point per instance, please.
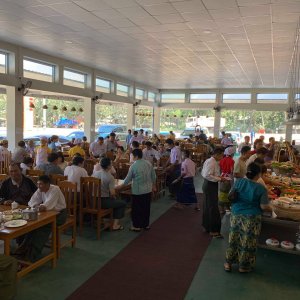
(7, 247)
(54, 242)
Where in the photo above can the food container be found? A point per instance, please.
(30, 214)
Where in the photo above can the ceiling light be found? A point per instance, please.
(206, 31)
(68, 42)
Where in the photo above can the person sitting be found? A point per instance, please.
(108, 194)
(121, 154)
(19, 153)
(77, 149)
(98, 148)
(76, 171)
(71, 143)
(47, 197)
(52, 166)
(226, 141)
(26, 164)
(257, 145)
(18, 187)
(85, 145)
(111, 143)
(61, 161)
(42, 151)
(5, 155)
(149, 153)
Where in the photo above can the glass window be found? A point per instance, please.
(202, 98)
(151, 97)
(38, 70)
(103, 85)
(3, 62)
(122, 90)
(74, 78)
(267, 98)
(139, 94)
(236, 98)
(172, 98)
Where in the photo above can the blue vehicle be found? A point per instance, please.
(76, 135)
(66, 123)
(119, 129)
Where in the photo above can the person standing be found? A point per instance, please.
(245, 143)
(149, 153)
(240, 167)
(211, 173)
(111, 143)
(187, 194)
(98, 148)
(128, 138)
(85, 145)
(249, 199)
(42, 152)
(52, 166)
(19, 153)
(143, 178)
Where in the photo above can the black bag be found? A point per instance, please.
(233, 195)
(176, 185)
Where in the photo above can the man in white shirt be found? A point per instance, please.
(111, 143)
(141, 136)
(212, 175)
(245, 143)
(260, 153)
(98, 148)
(149, 153)
(76, 171)
(134, 138)
(47, 197)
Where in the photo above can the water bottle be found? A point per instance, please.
(14, 205)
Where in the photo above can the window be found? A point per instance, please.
(202, 98)
(103, 85)
(122, 90)
(3, 62)
(74, 78)
(38, 70)
(139, 94)
(236, 98)
(172, 98)
(269, 98)
(151, 97)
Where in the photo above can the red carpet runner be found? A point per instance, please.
(159, 264)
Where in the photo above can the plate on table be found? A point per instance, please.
(15, 223)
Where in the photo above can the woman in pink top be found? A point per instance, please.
(187, 194)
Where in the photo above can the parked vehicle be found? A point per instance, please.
(36, 139)
(65, 123)
(187, 131)
(119, 129)
(75, 134)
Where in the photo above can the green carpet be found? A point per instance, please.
(276, 276)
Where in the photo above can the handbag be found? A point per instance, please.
(176, 185)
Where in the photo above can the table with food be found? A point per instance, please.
(281, 229)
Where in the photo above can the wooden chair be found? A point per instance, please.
(163, 161)
(56, 178)
(110, 155)
(3, 177)
(4, 164)
(34, 172)
(89, 165)
(122, 170)
(34, 178)
(90, 203)
(69, 189)
(161, 179)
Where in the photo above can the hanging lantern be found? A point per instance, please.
(190, 116)
(136, 113)
(175, 116)
(73, 109)
(181, 116)
(45, 106)
(80, 109)
(64, 108)
(31, 105)
(55, 107)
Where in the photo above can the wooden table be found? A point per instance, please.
(8, 234)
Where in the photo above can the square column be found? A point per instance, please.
(89, 114)
(130, 116)
(156, 120)
(288, 132)
(14, 116)
(217, 124)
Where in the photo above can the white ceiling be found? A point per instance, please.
(163, 43)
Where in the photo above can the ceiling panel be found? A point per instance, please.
(163, 43)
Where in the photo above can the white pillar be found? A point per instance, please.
(14, 116)
(89, 119)
(288, 132)
(130, 116)
(156, 120)
(217, 124)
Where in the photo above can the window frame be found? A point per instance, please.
(103, 79)
(76, 72)
(202, 100)
(272, 101)
(233, 101)
(140, 97)
(6, 60)
(172, 100)
(40, 62)
(122, 84)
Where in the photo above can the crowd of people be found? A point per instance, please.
(230, 185)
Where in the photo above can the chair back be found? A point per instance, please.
(202, 148)
(90, 193)
(89, 165)
(4, 164)
(122, 170)
(187, 146)
(163, 161)
(34, 172)
(34, 178)
(110, 155)
(56, 178)
(69, 190)
(3, 177)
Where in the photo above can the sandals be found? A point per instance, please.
(227, 267)
(217, 236)
(135, 229)
(118, 229)
(242, 270)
